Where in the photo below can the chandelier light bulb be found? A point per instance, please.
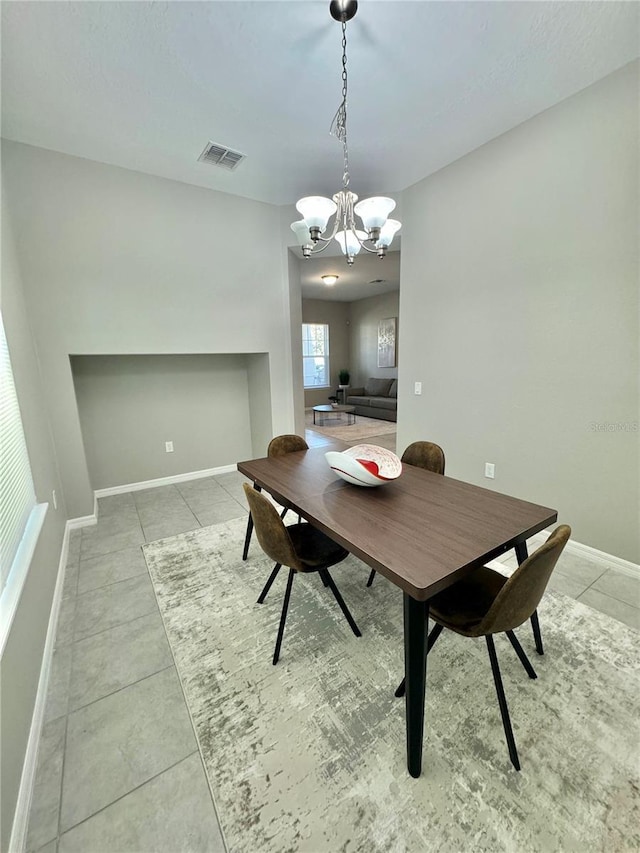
(387, 232)
(350, 242)
(374, 212)
(316, 211)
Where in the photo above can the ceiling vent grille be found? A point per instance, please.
(220, 155)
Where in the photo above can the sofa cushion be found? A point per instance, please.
(393, 391)
(377, 387)
(383, 402)
(355, 400)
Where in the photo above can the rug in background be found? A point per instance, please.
(361, 429)
(310, 755)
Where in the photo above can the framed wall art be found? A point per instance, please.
(387, 342)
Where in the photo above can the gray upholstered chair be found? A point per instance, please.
(278, 446)
(301, 547)
(487, 603)
(420, 454)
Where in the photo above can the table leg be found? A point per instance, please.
(522, 553)
(416, 619)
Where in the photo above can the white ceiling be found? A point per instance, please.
(145, 85)
(356, 282)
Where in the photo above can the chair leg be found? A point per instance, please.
(283, 617)
(433, 636)
(502, 701)
(284, 512)
(537, 636)
(371, 577)
(524, 660)
(247, 536)
(267, 586)
(340, 600)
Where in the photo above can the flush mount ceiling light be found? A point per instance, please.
(329, 280)
(316, 210)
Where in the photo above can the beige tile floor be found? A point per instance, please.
(118, 765)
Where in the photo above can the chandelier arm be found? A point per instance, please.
(373, 251)
(316, 251)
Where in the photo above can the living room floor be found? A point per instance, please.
(118, 764)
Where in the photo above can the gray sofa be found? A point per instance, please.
(378, 399)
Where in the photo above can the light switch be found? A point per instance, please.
(417, 387)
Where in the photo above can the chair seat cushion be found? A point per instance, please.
(314, 549)
(462, 607)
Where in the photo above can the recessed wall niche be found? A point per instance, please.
(214, 408)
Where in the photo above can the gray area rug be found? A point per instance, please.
(310, 755)
(361, 429)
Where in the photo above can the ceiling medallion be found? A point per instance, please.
(376, 229)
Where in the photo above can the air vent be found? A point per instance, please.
(378, 281)
(219, 155)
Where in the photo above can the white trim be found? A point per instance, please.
(12, 591)
(164, 481)
(27, 779)
(82, 521)
(625, 567)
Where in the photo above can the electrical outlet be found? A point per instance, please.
(168, 446)
(489, 470)
(55, 499)
(417, 388)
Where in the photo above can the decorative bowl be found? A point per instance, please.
(365, 465)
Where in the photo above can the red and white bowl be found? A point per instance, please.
(365, 465)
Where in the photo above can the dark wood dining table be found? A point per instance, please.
(422, 531)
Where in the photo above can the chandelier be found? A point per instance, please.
(316, 210)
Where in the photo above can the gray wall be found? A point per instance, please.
(519, 313)
(336, 315)
(259, 390)
(130, 405)
(115, 262)
(365, 316)
(295, 321)
(21, 660)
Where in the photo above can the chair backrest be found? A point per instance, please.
(425, 454)
(271, 530)
(283, 444)
(521, 594)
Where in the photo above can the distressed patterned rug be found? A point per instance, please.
(310, 755)
(362, 429)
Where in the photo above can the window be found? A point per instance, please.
(315, 355)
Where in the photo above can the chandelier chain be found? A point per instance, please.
(339, 124)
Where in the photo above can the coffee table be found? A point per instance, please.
(349, 411)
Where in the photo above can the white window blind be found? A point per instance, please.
(17, 496)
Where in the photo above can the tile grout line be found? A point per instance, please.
(137, 787)
(120, 689)
(102, 630)
(112, 583)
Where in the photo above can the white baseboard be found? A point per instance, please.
(625, 567)
(25, 793)
(82, 521)
(164, 481)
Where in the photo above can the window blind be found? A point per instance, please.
(17, 496)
